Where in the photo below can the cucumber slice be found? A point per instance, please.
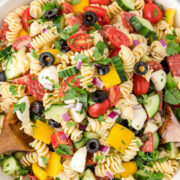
(91, 135)
(127, 5)
(88, 175)
(152, 106)
(80, 143)
(12, 69)
(117, 63)
(55, 112)
(155, 140)
(142, 26)
(10, 166)
(69, 71)
(172, 150)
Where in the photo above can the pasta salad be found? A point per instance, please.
(90, 90)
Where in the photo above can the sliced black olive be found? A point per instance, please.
(37, 108)
(102, 70)
(51, 14)
(136, 132)
(89, 18)
(125, 123)
(99, 96)
(53, 123)
(165, 66)
(2, 76)
(46, 59)
(64, 47)
(50, 147)
(92, 145)
(140, 68)
(63, 42)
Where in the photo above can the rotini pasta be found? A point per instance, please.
(139, 4)
(126, 88)
(29, 159)
(177, 81)
(27, 127)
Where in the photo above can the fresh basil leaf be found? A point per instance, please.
(71, 94)
(142, 99)
(170, 84)
(172, 48)
(84, 59)
(57, 45)
(5, 53)
(99, 50)
(19, 107)
(172, 96)
(103, 61)
(101, 118)
(64, 150)
(13, 90)
(90, 100)
(170, 37)
(84, 100)
(97, 26)
(177, 113)
(44, 159)
(34, 54)
(48, 6)
(57, 22)
(70, 124)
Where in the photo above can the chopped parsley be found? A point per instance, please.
(142, 99)
(101, 118)
(172, 48)
(70, 124)
(64, 150)
(99, 50)
(19, 107)
(34, 54)
(44, 159)
(13, 90)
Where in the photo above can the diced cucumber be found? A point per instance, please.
(118, 65)
(142, 26)
(88, 175)
(69, 71)
(10, 166)
(127, 5)
(91, 135)
(152, 106)
(80, 143)
(55, 112)
(172, 150)
(12, 69)
(155, 140)
(141, 175)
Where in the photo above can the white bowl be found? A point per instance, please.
(8, 5)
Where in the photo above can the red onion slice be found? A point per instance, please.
(82, 127)
(104, 149)
(109, 175)
(136, 42)
(44, 30)
(63, 137)
(66, 117)
(163, 42)
(98, 82)
(117, 111)
(79, 64)
(113, 115)
(78, 106)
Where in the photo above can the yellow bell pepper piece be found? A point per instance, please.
(54, 52)
(39, 172)
(54, 166)
(79, 7)
(170, 14)
(111, 78)
(22, 33)
(120, 137)
(130, 169)
(42, 132)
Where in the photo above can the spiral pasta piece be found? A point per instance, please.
(6, 103)
(139, 4)
(27, 127)
(128, 58)
(132, 149)
(177, 81)
(96, 37)
(42, 151)
(177, 30)
(138, 37)
(36, 8)
(128, 178)
(126, 88)
(29, 159)
(45, 38)
(158, 52)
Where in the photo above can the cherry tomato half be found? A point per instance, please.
(148, 142)
(89, 160)
(140, 85)
(155, 66)
(114, 95)
(80, 41)
(3, 31)
(118, 38)
(152, 13)
(60, 138)
(99, 11)
(105, 30)
(99, 109)
(29, 177)
(149, 1)
(100, 2)
(67, 8)
(115, 52)
(104, 20)
(25, 18)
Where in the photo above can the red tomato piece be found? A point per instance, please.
(23, 41)
(115, 52)
(61, 138)
(147, 140)
(104, 20)
(161, 103)
(29, 177)
(118, 38)
(34, 87)
(114, 95)
(140, 85)
(3, 31)
(155, 66)
(99, 11)
(89, 160)
(152, 13)
(64, 87)
(149, 1)
(67, 8)
(100, 2)
(126, 16)
(25, 18)
(174, 64)
(101, 178)
(79, 42)
(105, 30)
(99, 109)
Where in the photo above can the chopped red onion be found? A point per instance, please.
(79, 64)
(78, 106)
(98, 82)
(63, 137)
(135, 42)
(109, 175)
(82, 127)
(69, 106)
(66, 117)
(117, 111)
(113, 115)
(44, 30)
(163, 42)
(104, 149)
